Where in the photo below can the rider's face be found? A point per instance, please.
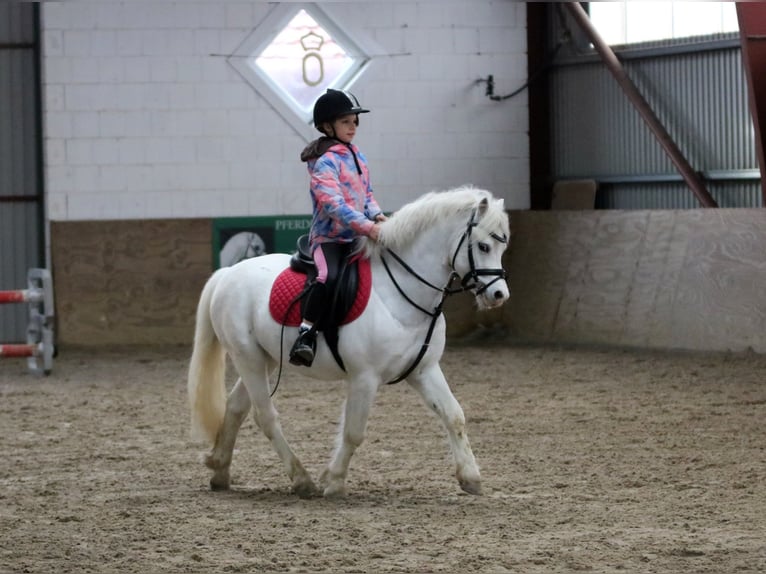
(345, 127)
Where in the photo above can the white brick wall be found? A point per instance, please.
(141, 121)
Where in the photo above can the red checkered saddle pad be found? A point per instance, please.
(290, 283)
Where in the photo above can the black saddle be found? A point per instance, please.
(340, 301)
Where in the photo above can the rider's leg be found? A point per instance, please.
(304, 347)
(327, 257)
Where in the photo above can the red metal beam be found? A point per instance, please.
(752, 33)
(692, 178)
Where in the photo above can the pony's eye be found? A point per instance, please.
(483, 247)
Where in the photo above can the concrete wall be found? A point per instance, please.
(145, 118)
(691, 280)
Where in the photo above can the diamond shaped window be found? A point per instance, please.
(293, 56)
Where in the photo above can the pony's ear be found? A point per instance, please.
(483, 206)
(501, 203)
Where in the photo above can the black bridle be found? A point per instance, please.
(474, 273)
(468, 282)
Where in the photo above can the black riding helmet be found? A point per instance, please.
(334, 104)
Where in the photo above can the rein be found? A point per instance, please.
(433, 314)
(472, 275)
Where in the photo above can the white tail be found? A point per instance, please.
(206, 383)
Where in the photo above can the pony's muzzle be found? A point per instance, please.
(492, 295)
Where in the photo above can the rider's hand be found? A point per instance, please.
(380, 217)
(374, 232)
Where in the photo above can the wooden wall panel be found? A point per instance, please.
(693, 279)
(655, 280)
(721, 299)
(598, 293)
(129, 282)
(536, 273)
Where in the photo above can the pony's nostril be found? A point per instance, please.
(499, 295)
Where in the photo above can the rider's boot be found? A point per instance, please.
(304, 348)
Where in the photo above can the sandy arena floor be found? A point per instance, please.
(601, 461)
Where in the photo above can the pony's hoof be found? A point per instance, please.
(335, 491)
(305, 489)
(219, 483)
(221, 479)
(333, 487)
(471, 487)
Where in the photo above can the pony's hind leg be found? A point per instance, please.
(435, 391)
(267, 418)
(219, 458)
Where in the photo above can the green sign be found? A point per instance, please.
(238, 238)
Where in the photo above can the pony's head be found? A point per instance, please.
(477, 233)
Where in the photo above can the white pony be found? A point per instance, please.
(442, 238)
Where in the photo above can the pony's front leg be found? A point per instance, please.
(356, 411)
(219, 458)
(435, 391)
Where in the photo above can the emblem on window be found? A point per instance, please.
(294, 55)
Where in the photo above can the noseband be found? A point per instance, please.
(469, 282)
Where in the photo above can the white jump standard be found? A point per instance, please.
(39, 348)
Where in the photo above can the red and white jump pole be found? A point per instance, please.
(39, 348)
(21, 296)
(21, 350)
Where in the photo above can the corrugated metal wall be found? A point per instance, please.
(21, 222)
(698, 93)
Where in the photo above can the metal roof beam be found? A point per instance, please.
(613, 64)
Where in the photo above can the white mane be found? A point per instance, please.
(423, 213)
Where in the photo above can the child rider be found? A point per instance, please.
(344, 207)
